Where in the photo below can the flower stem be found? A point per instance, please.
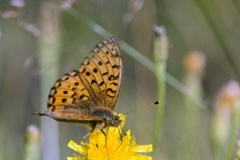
(234, 133)
(32, 143)
(160, 54)
(48, 57)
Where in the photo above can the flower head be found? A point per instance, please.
(110, 146)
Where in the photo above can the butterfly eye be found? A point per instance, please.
(108, 120)
(114, 121)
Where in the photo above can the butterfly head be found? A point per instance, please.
(113, 120)
(108, 116)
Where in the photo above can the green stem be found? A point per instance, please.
(32, 143)
(48, 57)
(160, 53)
(234, 133)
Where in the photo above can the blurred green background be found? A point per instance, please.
(212, 27)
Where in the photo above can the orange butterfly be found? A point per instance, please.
(88, 95)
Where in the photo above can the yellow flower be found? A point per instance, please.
(110, 147)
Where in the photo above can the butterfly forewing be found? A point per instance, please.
(96, 84)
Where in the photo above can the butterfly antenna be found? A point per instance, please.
(141, 107)
(119, 131)
(39, 114)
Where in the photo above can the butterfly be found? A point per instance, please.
(89, 95)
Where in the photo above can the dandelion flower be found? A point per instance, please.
(110, 146)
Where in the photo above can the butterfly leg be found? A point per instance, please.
(94, 126)
(84, 137)
(83, 140)
(121, 137)
(105, 141)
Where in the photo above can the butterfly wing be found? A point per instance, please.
(102, 73)
(96, 84)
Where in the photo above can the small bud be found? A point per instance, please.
(195, 62)
(229, 95)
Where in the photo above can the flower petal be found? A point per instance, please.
(143, 148)
(76, 158)
(111, 145)
(76, 147)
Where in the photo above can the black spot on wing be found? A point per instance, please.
(93, 81)
(100, 63)
(105, 73)
(114, 83)
(102, 83)
(112, 91)
(116, 66)
(112, 77)
(95, 70)
(64, 100)
(88, 73)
